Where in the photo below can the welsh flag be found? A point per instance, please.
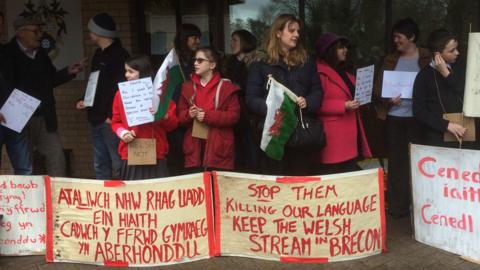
(280, 121)
(169, 75)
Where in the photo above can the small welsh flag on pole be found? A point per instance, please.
(169, 75)
(280, 121)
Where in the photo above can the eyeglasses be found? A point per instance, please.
(200, 60)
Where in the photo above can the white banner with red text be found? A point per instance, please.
(300, 219)
(446, 198)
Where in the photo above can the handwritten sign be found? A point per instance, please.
(91, 89)
(141, 223)
(137, 96)
(472, 80)
(142, 152)
(446, 198)
(296, 219)
(364, 84)
(22, 204)
(18, 109)
(397, 83)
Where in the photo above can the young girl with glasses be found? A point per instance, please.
(137, 68)
(208, 103)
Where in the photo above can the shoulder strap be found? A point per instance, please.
(217, 94)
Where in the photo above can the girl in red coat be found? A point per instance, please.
(208, 104)
(136, 68)
(339, 113)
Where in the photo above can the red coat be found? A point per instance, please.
(340, 125)
(219, 145)
(158, 128)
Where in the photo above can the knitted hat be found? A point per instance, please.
(325, 41)
(21, 22)
(103, 25)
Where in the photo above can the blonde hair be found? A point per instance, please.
(296, 57)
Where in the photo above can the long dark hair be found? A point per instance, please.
(331, 58)
(185, 31)
(248, 42)
(142, 64)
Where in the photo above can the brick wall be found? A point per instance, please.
(73, 127)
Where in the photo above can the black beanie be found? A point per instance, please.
(103, 25)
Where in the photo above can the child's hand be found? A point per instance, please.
(200, 115)
(80, 105)
(193, 111)
(441, 65)
(128, 136)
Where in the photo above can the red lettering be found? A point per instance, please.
(421, 165)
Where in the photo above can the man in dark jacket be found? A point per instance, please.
(28, 68)
(109, 59)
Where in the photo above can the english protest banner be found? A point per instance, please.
(300, 219)
(137, 223)
(22, 204)
(446, 198)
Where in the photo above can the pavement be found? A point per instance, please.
(404, 253)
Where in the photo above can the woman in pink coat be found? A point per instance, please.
(346, 140)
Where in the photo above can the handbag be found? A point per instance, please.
(308, 135)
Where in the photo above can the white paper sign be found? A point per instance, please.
(364, 84)
(398, 83)
(22, 204)
(91, 89)
(137, 98)
(446, 198)
(472, 80)
(18, 109)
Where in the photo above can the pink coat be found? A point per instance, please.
(340, 125)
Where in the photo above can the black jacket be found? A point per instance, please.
(428, 100)
(111, 63)
(303, 81)
(36, 77)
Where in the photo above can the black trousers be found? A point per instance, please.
(400, 132)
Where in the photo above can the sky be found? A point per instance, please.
(250, 9)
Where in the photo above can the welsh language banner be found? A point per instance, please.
(446, 198)
(22, 204)
(300, 219)
(137, 223)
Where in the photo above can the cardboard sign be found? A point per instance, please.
(137, 96)
(91, 89)
(300, 219)
(446, 198)
(137, 223)
(466, 122)
(199, 130)
(364, 84)
(22, 204)
(18, 109)
(142, 152)
(397, 83)
(472, 79)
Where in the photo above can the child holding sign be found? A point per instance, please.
(136, 68)
(209, 109)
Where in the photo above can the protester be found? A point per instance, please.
(16, 143)
(287, 61)
(28, 68)
(136, 68)
(109, 59)
(186, 42)
(346, 140)
(401, 126)
(210, 102)
(438, 89)
(244, 52)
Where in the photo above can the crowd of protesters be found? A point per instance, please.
(227, 96)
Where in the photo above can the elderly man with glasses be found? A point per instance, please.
(28, 68)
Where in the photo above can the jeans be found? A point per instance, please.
(18, 150)
(105, 153)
